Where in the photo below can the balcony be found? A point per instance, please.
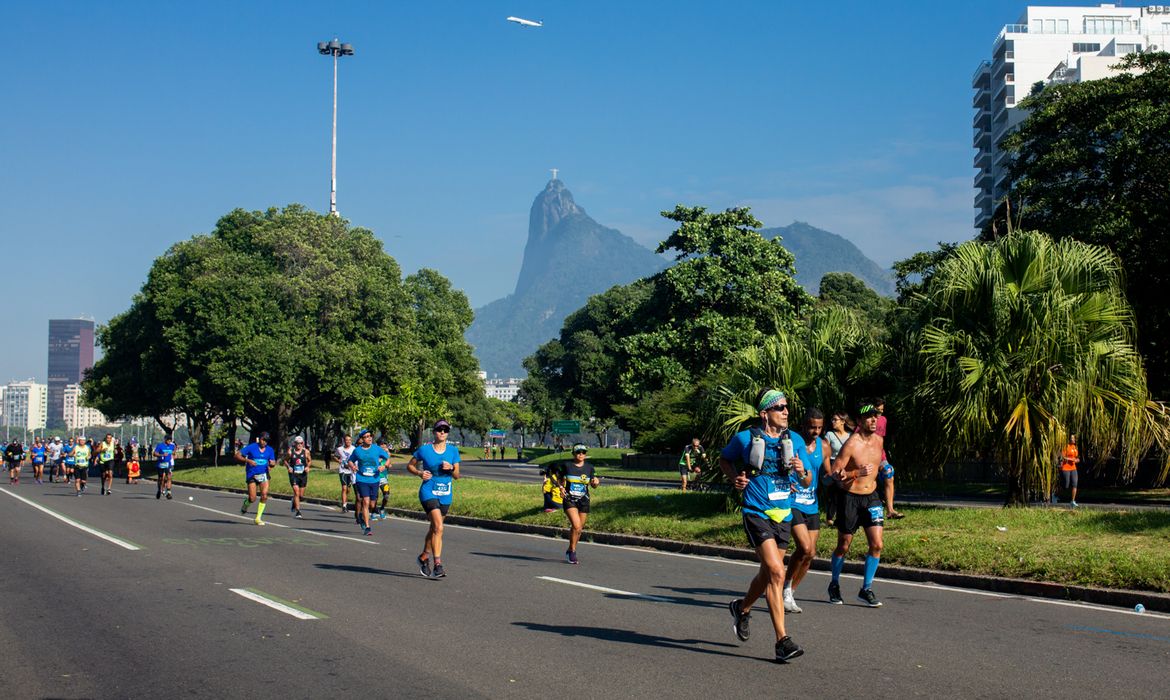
(982, 72)
(1012, 29)
(982, 159)
(982, 119)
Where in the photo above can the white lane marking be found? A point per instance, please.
(237, 516)
(69, 521)
(603, 589)
(274, 604)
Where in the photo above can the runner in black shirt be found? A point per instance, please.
(576, 479)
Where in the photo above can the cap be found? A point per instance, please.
(866, 410)
(579, 448)
(298, 439)
(57, 438)
(441, 423)
(364, 432)
(263, 435)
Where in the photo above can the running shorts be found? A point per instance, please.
(257, 479)
(859, 510)
(346, 478)
(433, 504)
(365, 489)
(581, 504)
(384, 487)
(1068, 479)
(810, 520)
(759, 529)
(301, 480)
(107, 467)
(165, 469)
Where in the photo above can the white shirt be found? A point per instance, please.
(343, 454)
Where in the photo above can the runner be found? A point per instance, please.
(885, 470)
(753, 460)
(257, 458)
(13, 456)
(369, 462)
(858, 504)
(298, 461)
(440, 466)
(837, 435)
(164, 452)
(37, 456)
(691, 461)
(576, 478)
(106, 450)
(81, 453)
(806, 516)
(1069, 459)
(67, 453)
(384, 480)
(344, 472)
(56, 460)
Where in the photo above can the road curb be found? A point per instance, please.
(1159, 602)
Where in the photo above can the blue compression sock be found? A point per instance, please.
(871, 565)
(838, 564)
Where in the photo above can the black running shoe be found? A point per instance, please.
(786, 650)
(169, 496)
(424, 567)
(865, 595)
(157, 495)
(740, 621)
(298, 515)
(439, 572)
(835, 594)
(103, 490)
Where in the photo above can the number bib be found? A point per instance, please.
(299, 469)
(805, 498)
(260, 478)
(577, 490)
(442, 488)
(877, 514)
(778, 491)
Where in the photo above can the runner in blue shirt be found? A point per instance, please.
(806, 516)
(440, 467)
(753, 461)
(164, 452)
(70, 459)
(257, 458)
(37, 457)
(368, 461)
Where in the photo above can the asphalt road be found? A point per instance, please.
(144, 603)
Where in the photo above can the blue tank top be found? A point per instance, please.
(804, 498)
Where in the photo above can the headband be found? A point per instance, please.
(771, 398)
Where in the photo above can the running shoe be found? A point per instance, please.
(790, 605)
(109, 491)
(740, 621)
(895, 515)
(298, 516)
(79, 494)
(169, 496)
(258, 521)
(835, 594)
(439, 572)
(244, 508)
(571, 557)
(367, 531)
(865, 595)
(1071, 503)
(424, 567)
(158, 495)
(786, 650)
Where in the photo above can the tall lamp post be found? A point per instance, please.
(336, 49)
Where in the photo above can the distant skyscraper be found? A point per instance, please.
(70, 354)
(24, 405)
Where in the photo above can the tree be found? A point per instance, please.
(408, 409)
(1020, 343)
(845, 289)
(441, 316)
(1092, 162)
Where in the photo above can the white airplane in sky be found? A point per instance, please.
(526, 22)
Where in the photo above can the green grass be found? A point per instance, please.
(598, 456)
(1117, 549)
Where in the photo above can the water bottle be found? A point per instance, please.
(1139, 608)
(788, 449)
(756, 452)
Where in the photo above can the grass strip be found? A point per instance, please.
(1113, 549)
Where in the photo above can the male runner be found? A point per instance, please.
(691, 461)
(369, 461)
(37, 455)
(257, 458)
(164, 452)
(81, 454)
(574, 481)
(106, 450)
(67, 452)
(753, 460)
(384, 480)
(440, 467)
(344, 469)
(806, 515)
(13, 456)
(56, 459)
(858, 504)
(298, 461)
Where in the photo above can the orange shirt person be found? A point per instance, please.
(1068, 470)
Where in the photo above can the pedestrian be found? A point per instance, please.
(754, 460)
(439, 468)
(576, 478)
(69, 458)
(1068, 471)
(133, 471)
(298, 461)
(693, 456)
(886, 470)
(858, 504)
(551, 489)
(56, 460)
(839, 432)
(806, 516)
(257, 458)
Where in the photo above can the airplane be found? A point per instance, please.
(526, 22)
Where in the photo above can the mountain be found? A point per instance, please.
(568, 258)
(818, 251)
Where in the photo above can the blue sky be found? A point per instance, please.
(129, 126)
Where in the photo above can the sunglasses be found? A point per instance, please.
(779, 407)
(442, 430)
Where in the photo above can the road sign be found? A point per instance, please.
(566, 427)
(497, 433)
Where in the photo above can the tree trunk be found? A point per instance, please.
(1017, 488)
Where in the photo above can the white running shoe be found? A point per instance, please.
(790, 605)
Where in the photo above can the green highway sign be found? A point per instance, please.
(566, 427)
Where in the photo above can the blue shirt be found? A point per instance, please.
(67, 451)
(368, 459)
(768, 493)
(38, 455)
(804, 498)
(439, 486)
(165, 454)
(262, 457)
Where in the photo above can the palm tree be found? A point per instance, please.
(1023, 341)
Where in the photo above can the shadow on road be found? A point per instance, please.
(514, 556)
(629, 637)
(720, 592)
(366, 570)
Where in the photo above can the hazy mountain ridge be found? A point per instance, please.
(818, 251)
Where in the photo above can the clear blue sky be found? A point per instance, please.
(128, 126)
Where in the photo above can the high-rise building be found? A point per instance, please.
(77, 414)
(70, 355)
(24, 405)
(1047, 45)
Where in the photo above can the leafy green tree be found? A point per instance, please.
(845, 289)
(442, 314)
(408, 409)
(1092, 162)
(1022, 342)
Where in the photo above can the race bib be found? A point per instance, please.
(779, 491)
(441, 489)
(577, 489)
(805, 499)
(260, 478)
(299, 469)
(261, 462)
(877, 514)
(369, 471)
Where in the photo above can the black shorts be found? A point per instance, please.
(346, 479)
(107, 467)
(857, 510)
(810, 520)
(365, 489)
(80, 473)
(581, 504)
(300, 480)
(256, 479)
(433, 504)
(1068, 479)
(759, 529)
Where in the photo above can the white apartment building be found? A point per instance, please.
(76, 414)
(502, 389)
(26, 405)
(1049, 44)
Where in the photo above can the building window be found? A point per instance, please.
(1062, 26)
(1123, 49)
(1086, 48)
(1108, 25)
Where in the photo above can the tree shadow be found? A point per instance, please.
(1127, 522)
(721, 592)
(608, 634)
(520, 557)
(352, 568)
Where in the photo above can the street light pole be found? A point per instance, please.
(336, 49)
